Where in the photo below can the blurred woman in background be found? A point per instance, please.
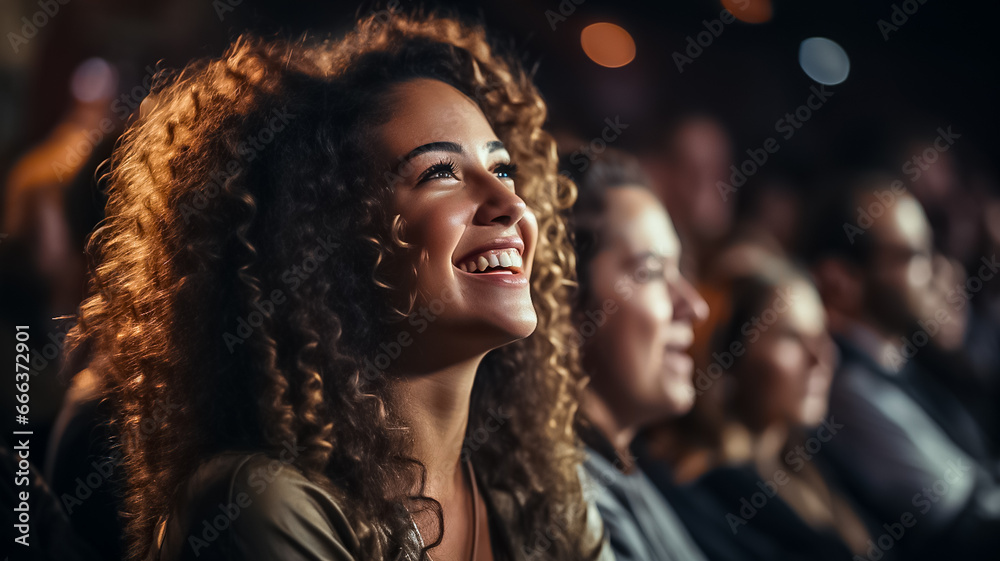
(756, 433)
(634, 314)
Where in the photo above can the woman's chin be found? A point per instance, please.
(681, 400)
(494, 332)
(519, 327)
(679, 387)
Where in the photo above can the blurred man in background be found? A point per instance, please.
(909, 448)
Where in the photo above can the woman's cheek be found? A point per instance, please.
(791, 375)
(651, 307)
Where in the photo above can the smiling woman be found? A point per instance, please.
(461, 207)
(335, 426)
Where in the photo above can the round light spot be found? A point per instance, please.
(749, 11)
(93, 79)
(824, 61)
(607, 44)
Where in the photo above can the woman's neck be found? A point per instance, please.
(768, 443)
(435, 408)
(618, 432)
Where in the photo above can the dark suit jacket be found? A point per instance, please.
(908, 447)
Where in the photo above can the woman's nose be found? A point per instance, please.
(688, 303)
(499, 203)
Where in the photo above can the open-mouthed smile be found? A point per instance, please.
(496, 261)
(499, 261)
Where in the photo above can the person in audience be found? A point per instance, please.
(634, 313)
(910, 450)
(759, 490)
(322, 304)
(686, 169)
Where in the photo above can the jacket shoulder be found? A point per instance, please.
(248, 507)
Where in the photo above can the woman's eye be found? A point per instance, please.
(653, 274)
(651, 269)
(505, 171)
(438, 171)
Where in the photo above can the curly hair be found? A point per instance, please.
(248, 266)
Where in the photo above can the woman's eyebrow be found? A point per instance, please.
(432, 147)
(662, 258)
(491, 146)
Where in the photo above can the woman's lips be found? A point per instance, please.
(679, 359)
(499, 277)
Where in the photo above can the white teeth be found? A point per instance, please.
(505, 258)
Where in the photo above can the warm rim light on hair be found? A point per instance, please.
(607, 44)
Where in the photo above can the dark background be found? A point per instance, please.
(938, 69)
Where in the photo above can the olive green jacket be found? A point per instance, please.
(250, 507)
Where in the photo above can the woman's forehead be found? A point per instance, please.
(637, 220)
(436, 107)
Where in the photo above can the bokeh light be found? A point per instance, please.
(607, 44)
(94, 79)
(824, 61)
(749, 11)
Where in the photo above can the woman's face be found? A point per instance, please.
(473, 238)
(785, 375)
(641, 312)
